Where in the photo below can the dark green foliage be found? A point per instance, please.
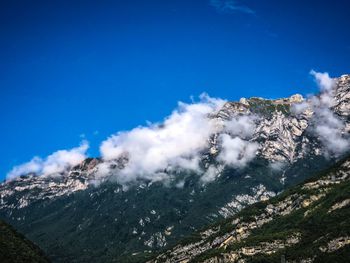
(15, 248)
(267, 107)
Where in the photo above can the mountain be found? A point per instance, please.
(79, 216)
(15, 248)
(307, 223)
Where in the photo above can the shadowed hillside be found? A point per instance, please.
(14, 247)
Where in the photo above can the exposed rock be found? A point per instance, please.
(339, 205)
(336, 244)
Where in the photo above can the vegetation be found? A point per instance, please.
(267, 107)
(15, 248)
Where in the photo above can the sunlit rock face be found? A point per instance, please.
(342, 96)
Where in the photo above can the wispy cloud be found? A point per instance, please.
(230, 6)
(55, 163)
(325, 124)
(328, 126)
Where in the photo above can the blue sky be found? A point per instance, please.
(92, 68)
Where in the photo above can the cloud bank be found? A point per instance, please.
(53, 164)
(175, 143)
(179, 143)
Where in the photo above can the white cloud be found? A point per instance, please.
(299, 108)
(176, 143)
(329, 129)
(242, 126)
(236, 148)
(230, 6)
(33, 166)
(324, 81)
(326, 125)
(277, 166)
(210, 174)
(236, 152)
(55, 163)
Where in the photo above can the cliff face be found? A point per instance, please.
(107, 220)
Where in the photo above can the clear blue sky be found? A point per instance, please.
(96, 67)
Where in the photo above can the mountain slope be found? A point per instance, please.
(15, 248)
(127, 222)
(308, 223)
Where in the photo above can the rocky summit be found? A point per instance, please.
(80, 215)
